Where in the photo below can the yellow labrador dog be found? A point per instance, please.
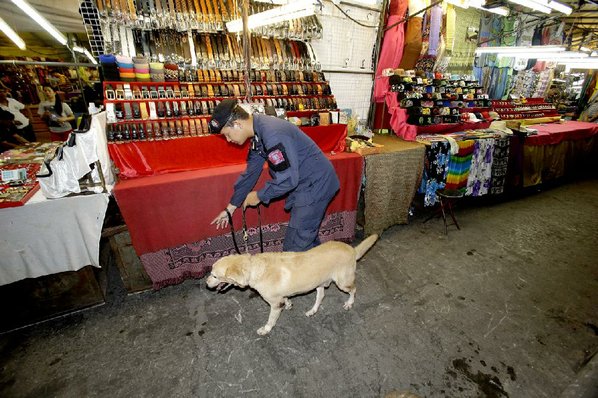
(278, 276)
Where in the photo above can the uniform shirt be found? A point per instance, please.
(297, 165)
(15, 107)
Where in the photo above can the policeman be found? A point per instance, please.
(297, 166)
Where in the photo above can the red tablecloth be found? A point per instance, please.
(554, 133)
(169, 217)
(148, 158)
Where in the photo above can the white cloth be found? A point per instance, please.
(76, 160)
(50, 236)
(15, 107)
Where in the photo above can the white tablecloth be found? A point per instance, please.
(48, 236)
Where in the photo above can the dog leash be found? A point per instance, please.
(245, 233)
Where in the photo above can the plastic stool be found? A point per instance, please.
(447, 198)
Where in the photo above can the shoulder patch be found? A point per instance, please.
(277, 158)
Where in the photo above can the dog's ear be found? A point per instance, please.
(237, 271)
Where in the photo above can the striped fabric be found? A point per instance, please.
(459, 165)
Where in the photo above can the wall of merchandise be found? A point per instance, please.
(329, 42)
(167, 59)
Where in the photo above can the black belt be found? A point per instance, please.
(245, 234)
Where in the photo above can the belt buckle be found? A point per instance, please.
(145, 93)
(161, 92)
(169, 92)
(153, 93)
(110, 94)
(120, 93)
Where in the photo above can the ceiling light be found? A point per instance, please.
(530, 50)
(504, 11)
(530, 4)
(43, 22)
(294, 10)
(12, 35)
(555, 5)
(84, 50)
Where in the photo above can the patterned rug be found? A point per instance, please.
(193, 260)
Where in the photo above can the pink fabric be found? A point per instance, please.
(392, 50)
(554, 133)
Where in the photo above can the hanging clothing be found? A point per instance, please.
(435, 27)
(413, 46)
(459, 165)
(480, 173)
(392, 49)
(435, 170)
(500, 161)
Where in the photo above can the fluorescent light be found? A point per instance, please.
(555, 5)
(12, 35)
(504, 11)
(84, 50)
(530, 50)
(43, 22)
(530, 4)
(581, 65)
(296, 9)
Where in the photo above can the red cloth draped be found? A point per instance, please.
(392, 48)
(554, 133)
(167, 210)
(148, 158)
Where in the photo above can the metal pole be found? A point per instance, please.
(80, 82)
(44, 63)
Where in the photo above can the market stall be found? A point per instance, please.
(168, 210)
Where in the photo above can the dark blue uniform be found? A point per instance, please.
(298, 167)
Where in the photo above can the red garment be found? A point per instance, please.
(392, 48)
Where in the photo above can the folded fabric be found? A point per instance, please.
(156, 65)
(141, 70)
(107, 59)
(121, 59)
(140, 60)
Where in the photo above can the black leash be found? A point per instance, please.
(245, 233)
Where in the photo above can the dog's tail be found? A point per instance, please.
(364, 246)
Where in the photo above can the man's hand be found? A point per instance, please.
(221, 220)
(251, 199)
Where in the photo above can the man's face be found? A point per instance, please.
(237, 133)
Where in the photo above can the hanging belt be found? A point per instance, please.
(245, 233)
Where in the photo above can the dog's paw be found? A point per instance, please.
(311, 312)
(287, 304)
(264, 330)
(348, 305)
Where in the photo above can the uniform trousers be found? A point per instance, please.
(304, 226)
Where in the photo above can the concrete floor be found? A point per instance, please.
(506, 307)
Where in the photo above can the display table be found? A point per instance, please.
(45, 237)
(169, 217)
(392, 178)
(559, 149)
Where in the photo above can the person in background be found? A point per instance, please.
(9, 136)
(21, 121)
(57, 114)
(297, 166)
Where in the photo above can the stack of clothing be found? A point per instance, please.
(142, 69)
(109, 68)
(126, 68)
(171, 72)
(157, 71)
